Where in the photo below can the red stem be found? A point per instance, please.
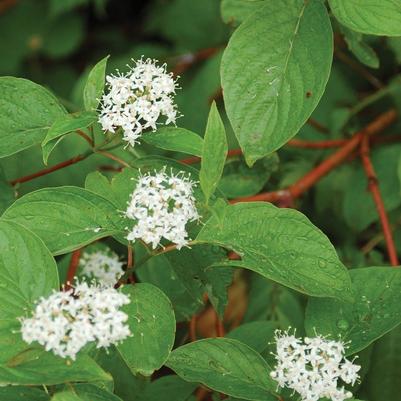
(72, 269)
(373, 185)
(49, 170)
(192, 328)
(307, 181)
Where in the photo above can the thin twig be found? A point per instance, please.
(307, 181)
(72, 269)
(86, 137)
(113, 157)
(373, 185)
(220, 331)
(192, 328)
(49, 170)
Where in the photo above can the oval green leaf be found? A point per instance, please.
(282, 245)
(175, 139)
(375, 17)
(274, 72)
(62, 126)
(214, 153)
(152, 323)
(225, 365)
(27, 272)
(66, 218)
(94, 85)
(27, 111)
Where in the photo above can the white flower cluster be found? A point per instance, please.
(161, 206)
(312, 368)
(137, 99)
(67, 320)
(101, 266)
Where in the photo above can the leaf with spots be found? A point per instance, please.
(274, 72)
(27, 111)
(280, 244)
(375, 312)
(152, 323)
(225, 365)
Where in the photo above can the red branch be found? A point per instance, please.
(373, 185)
(49, 170)
(192, 328)
(72, 269)
(307, 181)
(220, 330)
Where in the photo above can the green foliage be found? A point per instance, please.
(213, 154)
(374, 312)
(376, 17)
(94, 85)
(251, 75)
(27, 272)
(220, 364)
(63, 126)
(66, 218)
(269, 95)
(298, 255)
(152, 324)
(177, 140)
(27, 112)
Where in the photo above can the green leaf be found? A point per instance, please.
(38, 367)
(362, 51)
(171, 388)
(19, 393)
(27, 272)
(126, 385)
(375, 17)
(274, 72)
(190, 267)
(160, 272)
(236, 11)
(152, 323)
(268, 300)
(282, 245)
(384, 377)
(175, 139)
(375, 311)
(94, 85)
(85, 392)
(118, 190)
(27, 111)
(62, 126)
(240, 180)
(66, 218)
(7, 193)
(66, 396)
(255, 334)
(214, 153)
(225, 365)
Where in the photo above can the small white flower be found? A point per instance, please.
(161, 206)
(136, 100)
(313, 367)
(67, 320)
(101, 266)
